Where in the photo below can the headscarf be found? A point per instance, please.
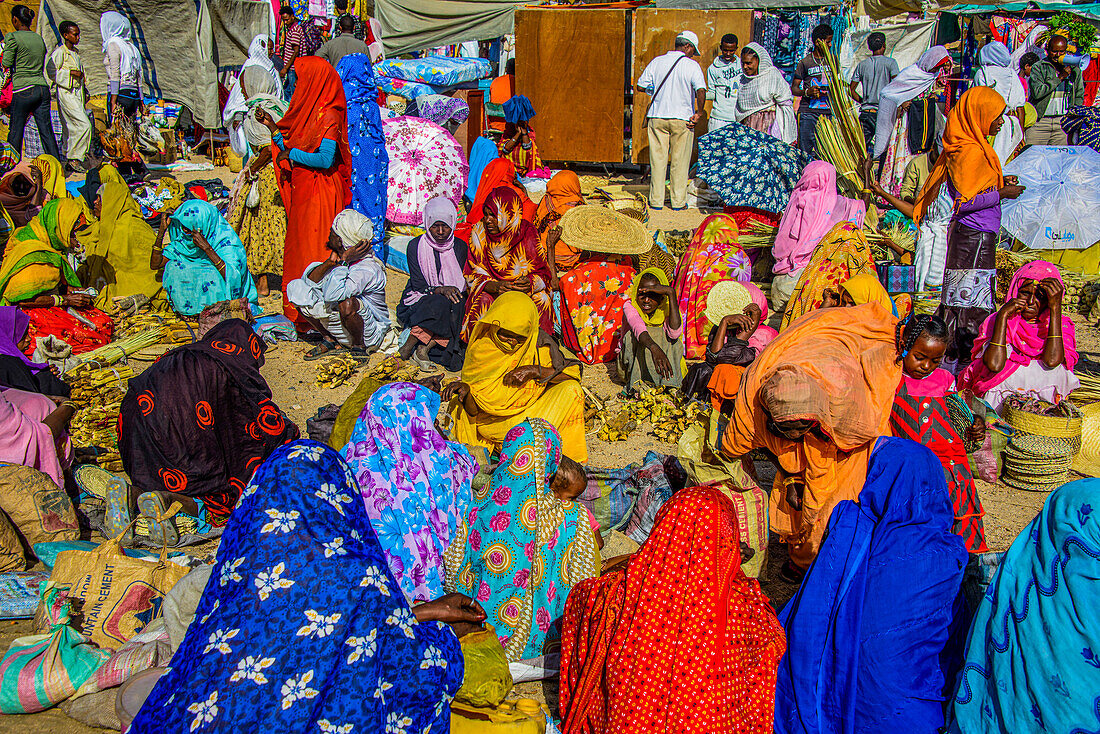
(500, 172)
(237, 104)
(352, 228)
(505, 205)
(13, 327)
(115, 28)
(626, 636)
(483, 152)
(764, 334)
(37, 257)
(913, 81)
(1030, 662)
(117, 265)
(997, 72)
(53, 176)
(1026, 339)
(488, 361)
(370, 162)
(563, 192)
(763, 91)
(967, 158)
(21, 209)
(301, 627)
(258, 56)
(814, 208)
(318, 110)
(416, 485)
(866, 288)
(660, 315)
(523, 549)
(518, 109)
(449, 272)
(885, 586)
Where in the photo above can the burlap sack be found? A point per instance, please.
(39, 509)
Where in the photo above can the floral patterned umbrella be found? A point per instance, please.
(425, 162)
(749, 168)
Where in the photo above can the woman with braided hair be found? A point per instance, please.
(928, 410)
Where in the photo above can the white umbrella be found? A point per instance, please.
(1060, 206)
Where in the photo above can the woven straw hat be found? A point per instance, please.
(599, 229)
(1088, 459)
(726, 298)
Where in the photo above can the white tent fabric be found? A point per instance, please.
(905, 42)
(182, 45)
(412, 25)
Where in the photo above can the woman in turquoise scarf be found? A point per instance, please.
(521, 549)
(204, 261)
(1033, 655)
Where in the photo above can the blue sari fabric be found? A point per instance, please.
(190, 279)
(370, 164)
(302, 628)
(1033, 656)
(874, 630)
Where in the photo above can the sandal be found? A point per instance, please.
(322, 350)
(117, 520)
(791, 573)
(151, 505)
(361, 354)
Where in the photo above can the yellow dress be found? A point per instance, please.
(488, 360)
(263, 229)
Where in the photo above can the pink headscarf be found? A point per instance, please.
(814, 207)
(449, 272)
(763, 335)
(1026, 339)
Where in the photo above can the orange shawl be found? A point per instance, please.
(837, 367)
(679, 640)
(563, 192)
(312, 197)
(967, 157)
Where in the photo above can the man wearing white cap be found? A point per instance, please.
(677, 92)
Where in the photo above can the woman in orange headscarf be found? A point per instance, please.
(971, 170)
(817, 398)
(505, 256)
(310, 147)
(563, 192)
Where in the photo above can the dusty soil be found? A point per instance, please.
(292, 383)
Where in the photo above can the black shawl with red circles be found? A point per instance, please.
(201, 420)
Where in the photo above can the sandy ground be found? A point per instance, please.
(292, 384)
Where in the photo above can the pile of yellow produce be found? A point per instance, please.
(337, 370)
(98, 395)
(175, 329)
(394, 369)
(668, 411)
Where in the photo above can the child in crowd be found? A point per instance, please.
(568, 484)
(928, 410)
(652, 347)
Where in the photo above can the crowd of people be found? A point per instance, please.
(347, 575)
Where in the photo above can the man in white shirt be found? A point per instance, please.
(723, 81)
(344, 297)
(677, 92)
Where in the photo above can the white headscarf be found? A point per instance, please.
(115, 28)
(352, 227)
(913, 81)
(767, 89)
(235, 114)
(997, 72)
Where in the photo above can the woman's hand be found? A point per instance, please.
(462, 613)
(1012, 307)
(975, 434)
(553, 235)
(830, 298)
(284, 157)
(456, 389)
(452, 294)
(520, 376)
(264, 118)
(77, 300)
(1011, 190)
(1055, 291)
(199, 239)
(794, 490)
(658, 291)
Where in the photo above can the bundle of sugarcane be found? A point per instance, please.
(98, 394)
(832, 148)
(840, 136)
(116, 351)
(757, 234)
(175, 329)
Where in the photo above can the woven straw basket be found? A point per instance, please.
(1044, 425)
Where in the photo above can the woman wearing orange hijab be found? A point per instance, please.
(563, 192)
(310, 147)
(817, 398)
(971, 170)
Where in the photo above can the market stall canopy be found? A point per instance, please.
(874, 8)
(1085, 10)
(412, 25)
(905, 42)
(183, 46)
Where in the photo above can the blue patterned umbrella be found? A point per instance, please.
(749, 168)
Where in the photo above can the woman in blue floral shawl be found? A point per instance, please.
(301, 627)
(1033, 657)
(370, 163)
(415, 484)
(521, 549)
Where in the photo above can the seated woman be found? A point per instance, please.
(867, 288)
(416, 485)
(518, 141)
(675, 631)
(1027, 345)
(712, 257)
(33, 432)
(16, 369)
(814, 209)
(344, 297)
(1030, 662)
(563, 192)
(738, 312)
(505, 256)
(652, 346)
(434, 302)
(299, 563)
(500, 172)
(204, 261)
(194, 427)
(120, 247)
(520, 549)
(923, 413)
(842, 254)
(37, 275)
(816, 398)
(885, 587)
(514, 371)
(21, 193)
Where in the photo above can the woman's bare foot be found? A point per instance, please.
(262, 286)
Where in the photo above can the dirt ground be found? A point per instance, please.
(292, 383)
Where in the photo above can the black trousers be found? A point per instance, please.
(32, 102)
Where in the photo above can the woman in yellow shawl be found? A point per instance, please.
(37, 275)
(53, 176)
(842, 254)
(515, 371)
(817, 398)
(119, 248)
(866, 288)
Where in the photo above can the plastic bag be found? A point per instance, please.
(253, 199)
(486, 679)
